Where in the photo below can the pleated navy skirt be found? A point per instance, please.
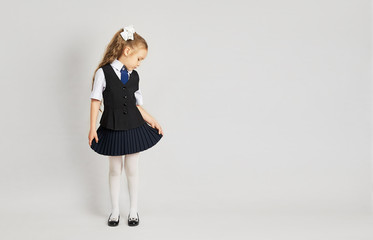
(121, 142)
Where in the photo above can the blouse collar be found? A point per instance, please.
(118, 65)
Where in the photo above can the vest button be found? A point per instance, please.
(125, 104)
(125, 96)
(124, 112)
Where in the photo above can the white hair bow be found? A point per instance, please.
(128, 32)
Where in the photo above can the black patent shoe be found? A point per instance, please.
(133, 221)
(113, 223)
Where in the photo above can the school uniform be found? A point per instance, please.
(122, 128)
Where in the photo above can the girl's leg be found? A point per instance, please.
(115, 171)
(131, 168)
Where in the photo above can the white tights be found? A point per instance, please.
(115, 172)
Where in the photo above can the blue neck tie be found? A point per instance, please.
(124, 75)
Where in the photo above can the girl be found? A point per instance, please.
(124, 129)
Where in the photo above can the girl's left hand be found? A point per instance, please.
(156, 125)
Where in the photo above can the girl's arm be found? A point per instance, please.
(149, 119)
(95, 105)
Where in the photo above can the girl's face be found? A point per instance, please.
(132, 58)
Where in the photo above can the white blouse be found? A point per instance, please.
(99, 83)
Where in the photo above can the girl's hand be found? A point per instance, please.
(155, 124)
(92, 135)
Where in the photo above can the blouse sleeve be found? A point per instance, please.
(138, 97)
(99, 85)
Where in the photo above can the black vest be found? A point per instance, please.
(120, 111)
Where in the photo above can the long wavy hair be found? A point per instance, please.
(115, 49)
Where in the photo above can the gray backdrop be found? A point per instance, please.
(265, 107)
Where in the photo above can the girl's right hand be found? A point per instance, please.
(92, 135)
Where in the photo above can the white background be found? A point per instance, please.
(265, 106)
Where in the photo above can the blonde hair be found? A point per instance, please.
(115, 49)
